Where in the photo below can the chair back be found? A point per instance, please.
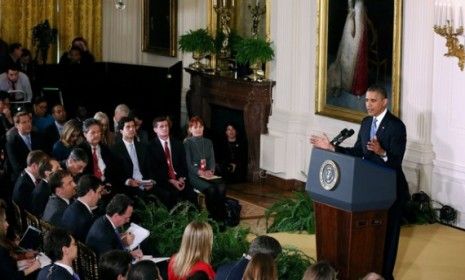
(32, 220)
(17, 216)
(87, 262)
(45, 227)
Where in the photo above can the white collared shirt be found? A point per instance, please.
(380, 117)
(109, 219)
(163, 144)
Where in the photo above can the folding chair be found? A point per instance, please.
(87, 262)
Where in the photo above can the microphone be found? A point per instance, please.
(343, 135)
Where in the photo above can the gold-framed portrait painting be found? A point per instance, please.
(160, 27)
(359, 44)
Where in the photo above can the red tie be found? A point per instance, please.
(171, 172)
(97, 171)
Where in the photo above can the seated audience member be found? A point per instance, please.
(27, 64)
(261, 267)
(141, 134)
(40, 118)
(104, 234)
(260, 245)
(75, 163)
(144, 270)
(63, 189)
(133, 160)
(320, 271)
(20, 141)
(78, 217)
(81, 113)
(62, 249)
(200, 159)
(101, 162)
(6, 118)
(55, 129)
(86, 56)
(192, 261)
(17, 83)
(169, 165)
(121, 110)
(14, 52)
(114, 265)
(373, 276)
(74, 56)
(8, 264)
(69, 139)
(41, 193)
(232, 156)
(108, 137)
(28, 181)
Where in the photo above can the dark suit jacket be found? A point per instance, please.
(110, 170)
(51, 136)
(17, 150)
(77, 219)
(232, 271)
(392, 137)
(125, 166)
(8, 267)
(40, 196)
(22, 192)
(54, 272)
(54, 210)
(159, 165)
(102, 237)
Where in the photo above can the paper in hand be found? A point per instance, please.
(140, 234)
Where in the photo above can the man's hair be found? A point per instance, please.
(20, 114)
(124, 120)
(39, 99)
(88, 123)
(118, 204)
(86, 183)
(54, 241)
(45, 165)
(56, 179)
(143, 270)
(12, 67)
(265, 245)
(12, 47)
(78, 154)
(320, 271)
(114, 263)
(35, 156)
(123, 108)
(161, 119)
(379, 89)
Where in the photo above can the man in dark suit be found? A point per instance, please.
(20, 140)
(133, 160)
(104, 234)
(382, 139)
(62, 249)
(63, 189)
(169, 165)
(235, 270)
(53, 131)
(41, 193)
(78, 217)
(28, 181)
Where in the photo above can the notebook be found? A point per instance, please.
(31, 238)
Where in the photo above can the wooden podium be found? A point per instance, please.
(351, 200)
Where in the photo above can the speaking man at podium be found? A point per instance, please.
(381, 139)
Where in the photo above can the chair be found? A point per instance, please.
(87, 262)
(45, 227)
(52, 95)
(32, 220)
(200, 198)
(17, 216)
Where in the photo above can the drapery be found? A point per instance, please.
(72, 18)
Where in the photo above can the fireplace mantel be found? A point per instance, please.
(252, 98)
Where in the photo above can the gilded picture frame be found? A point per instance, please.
(357, 47)
(160, 27)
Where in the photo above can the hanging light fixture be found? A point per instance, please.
(120, 5)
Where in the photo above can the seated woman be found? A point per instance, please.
(144, 270)
(86, 57)
(192, 261)
(200, 159)
(232, 156)
(69, 139)
(108, 137)
(8, 261)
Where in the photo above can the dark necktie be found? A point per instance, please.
(13, 85)
(97, 172)
(171, 172)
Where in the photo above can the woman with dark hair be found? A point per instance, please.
(232, 156)
(8, 261)
(86, 56)
(144, 270)
(200, 159)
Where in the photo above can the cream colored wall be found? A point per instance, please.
(431, 91)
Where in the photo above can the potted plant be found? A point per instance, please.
(254, 51)
(199, 42)
(42, 37)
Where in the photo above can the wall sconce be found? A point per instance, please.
(445, 26)
(120, 5)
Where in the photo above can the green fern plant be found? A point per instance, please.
(292, 263)
(292, 214)
(197, 41)
(253, 50)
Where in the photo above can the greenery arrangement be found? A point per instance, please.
(420, 210)
(253, 50)
(234, 38)
(292, 214)
(42, 37)
(292, 263)
(197, 41)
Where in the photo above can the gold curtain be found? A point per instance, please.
(72, 18)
